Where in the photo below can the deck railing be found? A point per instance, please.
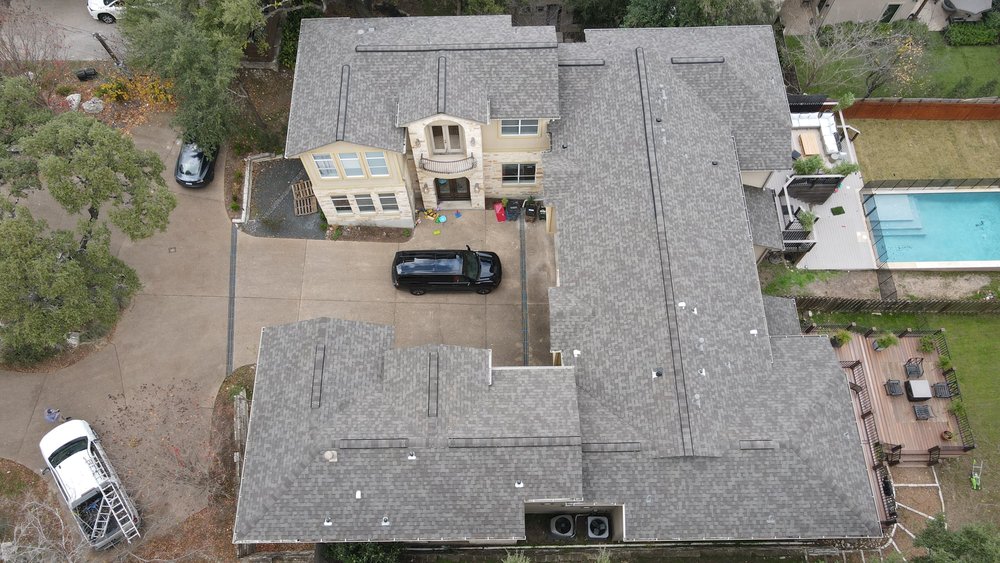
(887, 493)
(935, 306)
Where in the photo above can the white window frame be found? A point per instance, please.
(395, 202)
(520, 178)
(446, 139)
(349, 156)
(520, 124)
(346, 199)
(371, 200)
(326, 157)
(376, 155)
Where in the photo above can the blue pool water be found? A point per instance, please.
(939, 227)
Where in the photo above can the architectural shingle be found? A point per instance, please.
(494, 71)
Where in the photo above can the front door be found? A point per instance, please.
(452, 189)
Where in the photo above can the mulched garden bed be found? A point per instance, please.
(369, 234)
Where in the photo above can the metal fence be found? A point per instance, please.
(932, 184)
(935, 306)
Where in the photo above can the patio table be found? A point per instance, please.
(918, 390)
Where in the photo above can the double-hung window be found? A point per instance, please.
(518, 173)
(351, 164)
(365, 203)
(325, 165)
(377, 166)
(342, 205)
(388, 202)
(518, 127)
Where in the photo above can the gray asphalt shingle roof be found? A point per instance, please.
(680, 401)
(764, 226)
(474, 432)
(363, 80)
(652, 140)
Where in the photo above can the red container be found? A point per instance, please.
(500, 211)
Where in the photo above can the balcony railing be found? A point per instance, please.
(448, 166)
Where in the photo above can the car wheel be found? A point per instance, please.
(418, 291)
(483, 290)
(106, 18)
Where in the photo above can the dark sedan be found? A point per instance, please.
(420, 271)
(195, 168)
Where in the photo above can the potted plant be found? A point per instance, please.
(885, 340)
(926, 344)
(944, 362)
(807, 219)
(947, 435)
(840, 338)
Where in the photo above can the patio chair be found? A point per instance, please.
(923, 412)
(914, 368)
(893, 387)
(941, 391)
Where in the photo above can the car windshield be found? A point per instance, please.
(471, 266)
(190, 160)
(67, 451)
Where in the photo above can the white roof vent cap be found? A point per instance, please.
(519, 484)
(357, 494)
(328, 522)
(330, 455)
(385, 520)
(411, 456)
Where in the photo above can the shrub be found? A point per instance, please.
(115, 90)
(807, 219)
(290, 35)
(64, 89)
(808, 165)
(886, 340)
(845, 168)
(944, 362)
(142, 88)
(926, 344)
(840, 338)
(337, 233)
(235, 206)
(967, 34)
(365, 552)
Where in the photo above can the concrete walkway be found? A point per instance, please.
(173, 338)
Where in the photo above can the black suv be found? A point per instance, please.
(421, 271)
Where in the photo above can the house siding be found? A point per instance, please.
(420, 145)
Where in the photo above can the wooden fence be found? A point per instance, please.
(840, 305)
(925, 109)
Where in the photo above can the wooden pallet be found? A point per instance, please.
(303, 199)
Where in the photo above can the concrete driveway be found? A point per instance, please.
(70, 19)
(281, 281)
(155, 380)
(172, 336)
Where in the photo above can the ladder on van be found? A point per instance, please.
(113, 504)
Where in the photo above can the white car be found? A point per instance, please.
(88, 484)
(106, 10)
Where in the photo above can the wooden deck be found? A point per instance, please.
(895, 420)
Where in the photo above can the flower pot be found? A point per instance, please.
(947, 435)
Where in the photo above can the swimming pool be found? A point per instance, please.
(937, 229)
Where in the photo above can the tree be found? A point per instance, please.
(370, 552)
(30, 46)
(200, 51)
(48, 288)
(599, 13)
(88, 166)
(836, 56)
(975, 542)
(21, 113)
(43, 534)
(689, 13)
(484, 7)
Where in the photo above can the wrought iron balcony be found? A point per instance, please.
(448, 166)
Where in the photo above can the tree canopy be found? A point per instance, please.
(979, 543)
(53, 282)
(690, 13)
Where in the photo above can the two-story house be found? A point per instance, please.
(390, 116)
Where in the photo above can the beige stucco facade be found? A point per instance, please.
(415, 178)
(838, 11)
(370, 196)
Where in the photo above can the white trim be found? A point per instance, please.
(326, 157)
(385, 164)
(357, 158)
(520, 126)
(358, 205)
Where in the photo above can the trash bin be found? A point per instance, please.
(500, 212)
(513, 209)
(531, 211)
(85, 74)
(542, 214)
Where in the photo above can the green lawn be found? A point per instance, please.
(897, 148)
(972, 340)
(947, 72)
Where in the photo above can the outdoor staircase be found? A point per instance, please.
(113, 504)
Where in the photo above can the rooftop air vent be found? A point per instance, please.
(598, 527)
(657, 373)
(563, 526)
(519, 484)
(357, 494)
(411, 456)
(385, 520)
(330, 455)
(328, 522)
